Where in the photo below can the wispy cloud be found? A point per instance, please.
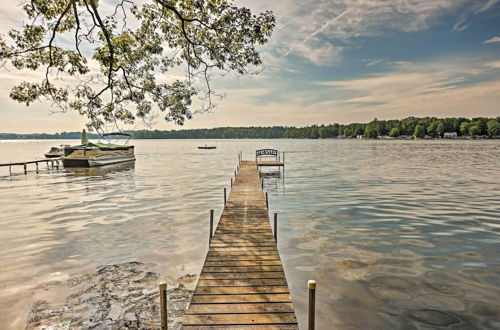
(434, 88)
(492, 40)
(494, 64)
(329, 27)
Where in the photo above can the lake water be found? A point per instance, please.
(398, 234)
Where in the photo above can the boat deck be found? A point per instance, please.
(242, 284)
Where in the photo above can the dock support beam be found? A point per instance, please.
(211, 224)
(312, 304)
(163, 306)
(276, 227)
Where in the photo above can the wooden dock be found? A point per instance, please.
(54, 162)
(242, 284)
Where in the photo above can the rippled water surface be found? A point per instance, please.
(398, 234)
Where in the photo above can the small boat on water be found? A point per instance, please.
(56, 152)
(207, 147)
(99, 154)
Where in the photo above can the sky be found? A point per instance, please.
(334, 61)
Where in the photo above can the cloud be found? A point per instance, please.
(492, 40)
(460, 24)
(459, 88)
(494, 64)
(329, 27)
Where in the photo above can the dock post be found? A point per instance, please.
(52, 164)
(231, 182)
(225, 195)
(47, 163)
(36, 168)
(262, 183)
(283, 166)
(312, 304)
(267, 201)
(10, 169)
(276, 227)
(25, 171)
(211, 224)
(163, 306)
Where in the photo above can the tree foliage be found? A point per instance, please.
(108, 60)
(394, 128)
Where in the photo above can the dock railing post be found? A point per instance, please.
(262, 183)
(163, 306)
(283, 166)
(10, 169)
(267, 201)
(225, 195)
(36, 168)
(231, 182)
(25, 170)
(211, 224)
(312, 304)
(276, 227)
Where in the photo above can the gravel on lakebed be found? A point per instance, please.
(116, 296)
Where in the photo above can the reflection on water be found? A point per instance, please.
(398, 234)
(102, 171)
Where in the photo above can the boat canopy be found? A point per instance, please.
(117, 134)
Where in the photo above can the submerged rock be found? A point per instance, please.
(114, 297)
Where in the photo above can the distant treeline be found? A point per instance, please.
(430, 127)
(45, 136)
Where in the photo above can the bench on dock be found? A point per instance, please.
(269, 157)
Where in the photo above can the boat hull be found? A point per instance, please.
(87, 162)
(94, 156)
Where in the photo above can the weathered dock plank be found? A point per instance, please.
(242, 284)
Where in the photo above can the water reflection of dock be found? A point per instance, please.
(242, 283)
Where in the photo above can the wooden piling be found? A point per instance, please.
(25, 169)
(163, 306)
(211, 224)
(276, 227)
(312, 305)
(267, 201)
(225, 196)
